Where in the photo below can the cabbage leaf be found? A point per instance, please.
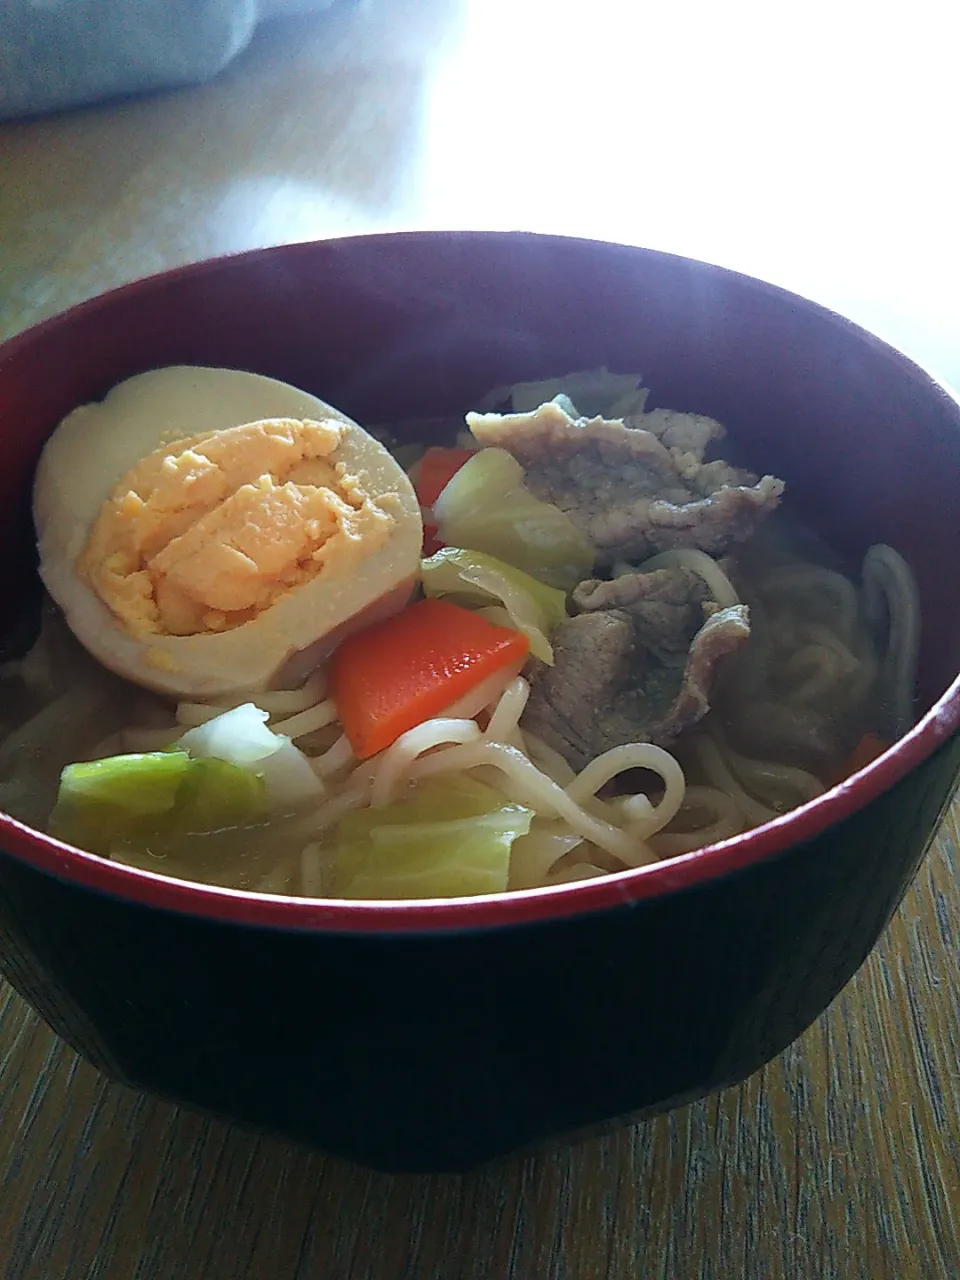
(228, 772)
(487, 507)
(241, 737)
(451, 838)
(152, 800)
(473, 578)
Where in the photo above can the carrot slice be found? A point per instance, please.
(408, 668)
(867, 749)
(437, 468)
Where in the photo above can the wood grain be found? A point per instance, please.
(842, 1158)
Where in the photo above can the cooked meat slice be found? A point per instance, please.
(629, 491)
(637, 665)
(687, 432)
(667, 606)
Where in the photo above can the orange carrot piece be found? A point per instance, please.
(408, 668)
(867, 749)
(437, 468)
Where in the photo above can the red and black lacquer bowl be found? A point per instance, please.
(433, 1036)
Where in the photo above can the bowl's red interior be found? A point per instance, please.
(395, 327)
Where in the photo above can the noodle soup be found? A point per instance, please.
(644, 653)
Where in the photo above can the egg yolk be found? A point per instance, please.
(204, 534)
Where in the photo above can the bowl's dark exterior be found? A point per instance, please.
(437, 1048)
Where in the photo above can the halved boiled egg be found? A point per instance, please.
(209, 532)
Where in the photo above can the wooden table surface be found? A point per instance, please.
(811, 146)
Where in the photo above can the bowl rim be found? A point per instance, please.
(514, 907)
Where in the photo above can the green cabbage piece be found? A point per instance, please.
(452, 838)
(592, 391)
(146, 783)
(473, 578)
(151, 801)
(217, 794)
(487, 507)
